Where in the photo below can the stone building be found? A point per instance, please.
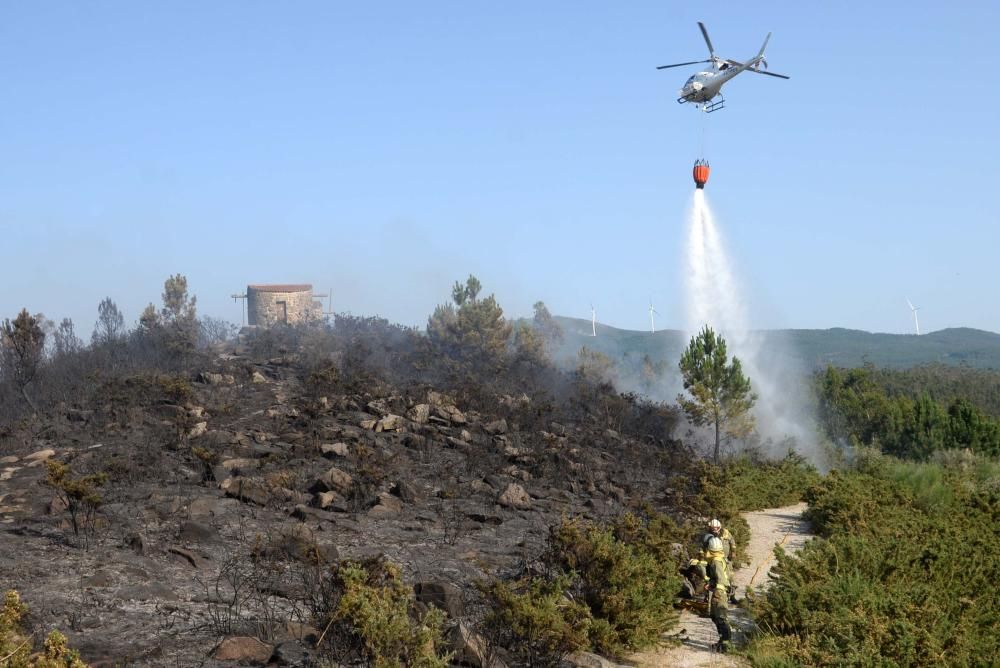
(281, 304)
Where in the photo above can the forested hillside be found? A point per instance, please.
(811, 348)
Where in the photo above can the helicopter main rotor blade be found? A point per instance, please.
(693, 62)
(704, 33)
(770, 74)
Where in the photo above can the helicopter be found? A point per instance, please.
(702, 88)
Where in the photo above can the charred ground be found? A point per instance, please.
(228, 482)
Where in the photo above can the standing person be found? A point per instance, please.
(716, 530)
(718, 586)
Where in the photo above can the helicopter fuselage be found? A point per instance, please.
(703, 86)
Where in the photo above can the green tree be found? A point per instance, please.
(22, 345)
(471, 327)
(719, 391)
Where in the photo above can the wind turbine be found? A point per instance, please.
(593, 320)
(913, 308)
(652, 321)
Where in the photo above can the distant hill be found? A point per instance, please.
(812, 348)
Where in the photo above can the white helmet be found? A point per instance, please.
(714, 524)
(714, 544)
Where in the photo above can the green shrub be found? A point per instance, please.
(627, 588)
(759, 484)
(905, 575)
(535, 619)
(15, 645)
(606, 588)
(367, 610)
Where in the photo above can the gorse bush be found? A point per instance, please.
(906, 573)
(759, 484)
(606, 588)
(16, 650)
(629, 591)
(365, 609)
(535, 620)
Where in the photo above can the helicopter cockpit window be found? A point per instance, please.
(690, 79)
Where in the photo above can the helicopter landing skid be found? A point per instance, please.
(709, 107)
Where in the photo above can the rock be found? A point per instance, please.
(216, 378)
(40, 455)
(333, 480)
(444, 595)
(590, 660)
(9, 459)
(246, 489)
(325, 500)
(298, 631)
(470, 649)
(517, 473)
(258, 378)
(496, 427)
(419, 413)
(515, 497)
(332, 450)
(451, 414)
(405, 491)
(390, 423)
(198, 430)
(191, 558)
(240, 464)
(243, 649)
(458, 444)
(291, 653)
(379, 407)
(306, 513)
(196, 532)
(386, 504)
(368, 424)
(300, 542)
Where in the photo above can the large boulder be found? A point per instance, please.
(246, 489)
(443, 595)
(515, 497)
(333, 480)
(243, 649)
(419, 413)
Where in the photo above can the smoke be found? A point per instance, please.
(714, 299)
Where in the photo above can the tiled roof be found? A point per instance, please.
(282, 287)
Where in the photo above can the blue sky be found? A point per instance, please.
(386, 149)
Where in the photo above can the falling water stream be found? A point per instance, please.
(714, 298)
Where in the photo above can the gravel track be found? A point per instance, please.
(768, 528)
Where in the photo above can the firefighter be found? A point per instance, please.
(715, 530)
(718, 586)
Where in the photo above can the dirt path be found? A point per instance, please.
(774, 526)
